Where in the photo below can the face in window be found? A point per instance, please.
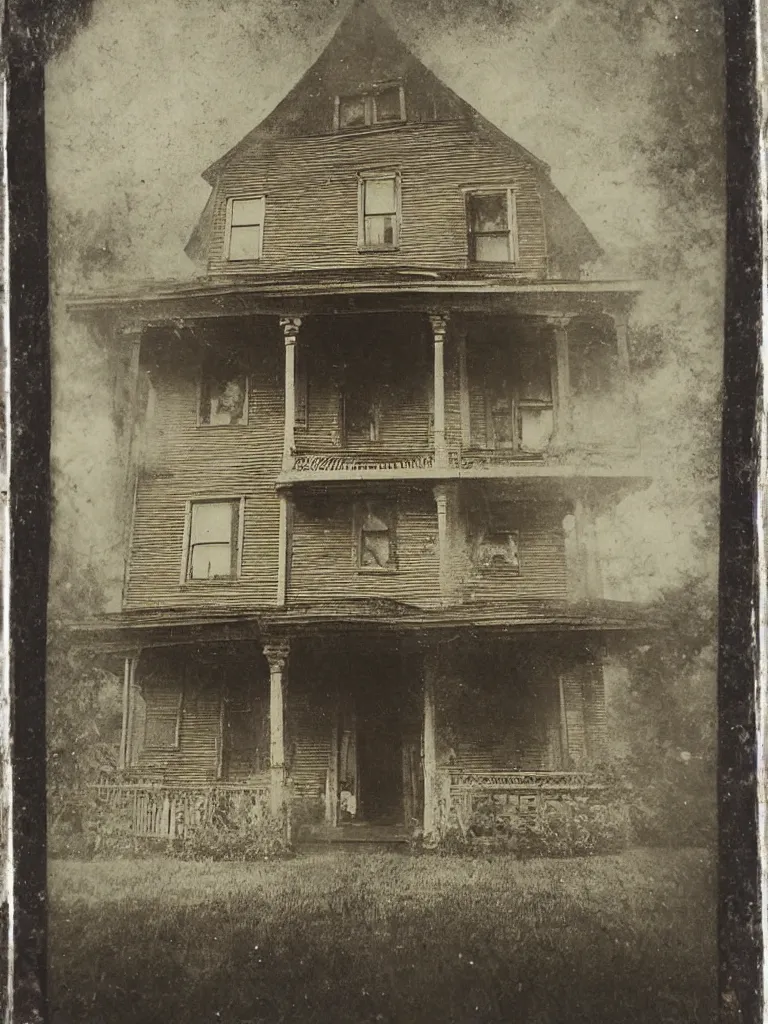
(352, 112)
(222, 399)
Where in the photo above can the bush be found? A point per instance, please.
(265, 840)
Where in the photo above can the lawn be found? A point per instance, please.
(356, 937)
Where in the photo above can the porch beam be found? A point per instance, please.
(559, 325)
(276, 652)
(290, 326)
(439, 324)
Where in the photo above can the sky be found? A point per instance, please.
(149, 94)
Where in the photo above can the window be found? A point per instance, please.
(383, 104)
(519, 406)
(162, 718)
(214, 540)
(245, 224)
(379, 211)
(374, 538)
(492, 223)
(498, 549)
(223, 395)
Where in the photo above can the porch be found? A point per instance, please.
(359, 738)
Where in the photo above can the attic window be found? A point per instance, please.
(492, 225)
(245, 227)
(383, 104)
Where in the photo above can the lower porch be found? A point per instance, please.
(356, 738)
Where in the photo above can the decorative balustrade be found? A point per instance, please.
(163, 811)
(361, 461)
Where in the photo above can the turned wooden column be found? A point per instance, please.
(276, 653)
(445, 500)
(559, 326)
(464, 404)
(284, 527)
(439, 323)
(290, 326)
(129, 684)
(430, 745)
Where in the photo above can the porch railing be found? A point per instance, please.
(165, 811)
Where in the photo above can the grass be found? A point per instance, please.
(384, 937)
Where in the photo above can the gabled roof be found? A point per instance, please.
(364, 49)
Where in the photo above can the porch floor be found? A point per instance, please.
(359, 832)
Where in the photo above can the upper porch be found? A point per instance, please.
(417, 375)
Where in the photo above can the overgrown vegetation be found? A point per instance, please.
(356, 938)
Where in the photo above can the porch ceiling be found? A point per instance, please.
(128, 631)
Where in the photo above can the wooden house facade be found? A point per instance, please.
(365, 453)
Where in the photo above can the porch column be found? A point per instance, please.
(559, 325)
(464, 407)
(430, 746)
(439, 323)
(622, 345)
(129, 682)
(126, 402)
(283, 547)
(445, 499)
(276, 653)
(584, 511)
(290, 326)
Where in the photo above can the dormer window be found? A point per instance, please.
(381, 105)
(492, 226)
(245, 228)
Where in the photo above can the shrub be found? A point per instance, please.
(241, 841)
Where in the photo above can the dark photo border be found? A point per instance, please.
(29, 28)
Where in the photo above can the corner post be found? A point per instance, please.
(439, 323)
(560, 324)
(290, 327)
(276, 653)
(430, 746)
(129, 682)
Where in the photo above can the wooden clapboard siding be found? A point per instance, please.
(311, 185)
(542, 573)
(186, 461)
(322, 563)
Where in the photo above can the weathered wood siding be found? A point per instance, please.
(322, 555)
(186, 461)
(311, 185)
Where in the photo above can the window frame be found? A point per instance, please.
(155, 748)
(512, 233)
(201, 378)
(185, 579)
(363, 177)
(231, 200)
(385, 511)
(368, 96)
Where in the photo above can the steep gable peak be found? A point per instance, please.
(367, 62)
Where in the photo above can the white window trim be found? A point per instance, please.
(219, 426)
(212, 499)
(514, 242)
(368, 96)
(374, 175)
(231, 200)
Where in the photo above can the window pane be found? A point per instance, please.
(388, 105)
(375, 549)
(244, 242)
(489, 213)
(536, 426)
(212, 522)
(223, 401)
(492, 248)
(379, 196)
(210, 561)
(247, 211)
(352, 112)
(380, 230)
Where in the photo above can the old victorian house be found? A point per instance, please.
(367, 452)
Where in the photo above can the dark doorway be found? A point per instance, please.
(380, 741)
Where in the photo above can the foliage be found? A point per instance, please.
(350, 937)
(238, 841)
